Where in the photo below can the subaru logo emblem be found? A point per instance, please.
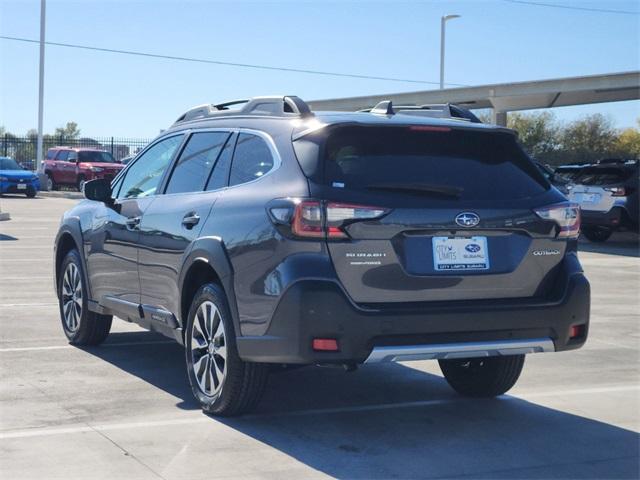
(467, 219)
(472, 248)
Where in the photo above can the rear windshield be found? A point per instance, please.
(472, 165)
(95, 157)
(602, 176)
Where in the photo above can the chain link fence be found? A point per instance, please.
(23, 148)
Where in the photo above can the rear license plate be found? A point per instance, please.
(589, 198)
(460, 253)
(22, 186)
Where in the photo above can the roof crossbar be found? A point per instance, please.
(278, 106)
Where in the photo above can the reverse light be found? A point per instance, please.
(616, 191)
(307, 219)
(566, 215)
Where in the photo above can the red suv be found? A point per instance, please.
(75, 166)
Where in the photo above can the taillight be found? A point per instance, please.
(566, 215)
(616, 191)
(308, 218)
(341, 214)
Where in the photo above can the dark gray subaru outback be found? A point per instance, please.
(259, 232)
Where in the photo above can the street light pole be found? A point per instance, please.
(443, 22)
(39, 153)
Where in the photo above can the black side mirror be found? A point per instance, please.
(98, 190)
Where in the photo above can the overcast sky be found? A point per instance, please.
(111, 94)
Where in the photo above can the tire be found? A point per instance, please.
(482, 377)
(31, 192)
(223, 384)
(80, 184)
(597, 234)
(81, 326)
(51, 185)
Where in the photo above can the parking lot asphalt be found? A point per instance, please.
(125, 410)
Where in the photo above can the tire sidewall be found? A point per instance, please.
(73, 257)
(213, 293)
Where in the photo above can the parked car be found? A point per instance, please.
(75, 166)
(556, 180)
(15, 179)
(28, 164)
(607, 192)
(127, 159)
(269, 234)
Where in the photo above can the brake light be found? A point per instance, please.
(427, 128)
(566, 215)
(616, 191)
(317, 219)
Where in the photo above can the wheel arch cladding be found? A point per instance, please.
(65, 244)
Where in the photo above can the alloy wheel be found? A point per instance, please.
(208, 349)
(72, 297)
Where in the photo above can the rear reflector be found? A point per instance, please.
(576, 331)
(566, 215)
(325, 344)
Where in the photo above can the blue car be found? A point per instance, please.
(15, 179)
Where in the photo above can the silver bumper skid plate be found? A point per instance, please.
(459, 350)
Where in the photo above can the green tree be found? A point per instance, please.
(67, 133)
(627, 144)
(590, 138)
(538, 133)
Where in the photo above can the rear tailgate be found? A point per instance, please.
(460, 222)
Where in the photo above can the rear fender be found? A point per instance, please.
(211, 251)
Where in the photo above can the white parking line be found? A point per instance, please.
(64, 347)
(27, 304)
(199, 418)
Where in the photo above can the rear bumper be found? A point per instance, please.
(320, 309)
(12, 186)
(592, 218)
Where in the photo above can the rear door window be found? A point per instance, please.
(470, 165)
(251, 160)
(196, 161)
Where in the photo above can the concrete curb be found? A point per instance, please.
(61, 194)
(4, 216)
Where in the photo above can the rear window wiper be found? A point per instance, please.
(418, 188)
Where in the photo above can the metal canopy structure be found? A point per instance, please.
(507, 97)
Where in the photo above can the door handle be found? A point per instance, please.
(132, 222)
(190, 220)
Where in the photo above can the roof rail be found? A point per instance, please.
(441, 110)
(279, 106)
